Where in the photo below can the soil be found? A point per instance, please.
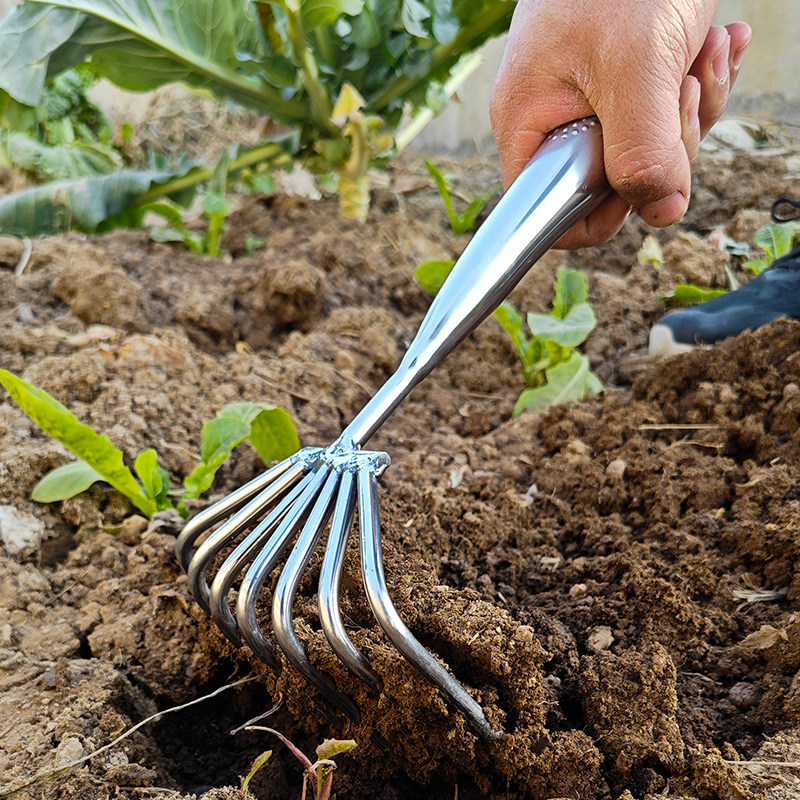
(615, 581)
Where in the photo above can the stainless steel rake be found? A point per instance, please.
(319, 488)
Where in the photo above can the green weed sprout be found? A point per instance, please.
(776, 239)
(317, 774)
(268, 428)
(553, 369)
(463, 221)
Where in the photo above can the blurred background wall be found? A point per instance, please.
(768, 87)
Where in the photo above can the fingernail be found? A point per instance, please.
(739, 55)
(667, 211)
(720, 63)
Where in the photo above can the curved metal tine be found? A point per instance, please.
(388, 618)
(201, 522)
(330, 579)
(244, 553)
(265, 561)
(286, 591)
(229, 530)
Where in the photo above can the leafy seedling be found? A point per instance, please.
(317, 774)
(553, 369)
(460, 221)
(215, 208)
(353, 80)
(776, 240)
(268, 428)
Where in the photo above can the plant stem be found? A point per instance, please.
(458, 78)
(320, 100)
(264, 152)
(443, 53)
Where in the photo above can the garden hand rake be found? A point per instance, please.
(319, 488)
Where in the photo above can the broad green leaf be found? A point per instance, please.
(571, 291)
(776, 239)
(218, 438)
(566, 382)
(567, 332)
(141, 45)
(155, 480)
(756, 265)
(95, 449)
(272, 432)
(274, 435)
(330, 748)
(62, 161)
(414, 14)
(689, 293)
(84, 203)
(431, 275)
(316, 13)
(65, 481)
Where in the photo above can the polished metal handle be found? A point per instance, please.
(561, 184)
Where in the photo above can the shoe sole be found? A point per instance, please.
(663, 343)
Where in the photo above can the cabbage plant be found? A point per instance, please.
(342, 76)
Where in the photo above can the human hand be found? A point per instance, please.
(656, 73)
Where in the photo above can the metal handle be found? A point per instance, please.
(561, 184)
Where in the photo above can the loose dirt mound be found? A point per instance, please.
(616, 581)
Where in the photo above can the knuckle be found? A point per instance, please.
(641, 174)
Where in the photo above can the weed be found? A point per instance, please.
(464, 221)
(553, 369)
(268, 428)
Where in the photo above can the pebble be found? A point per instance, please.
(744, 695)
(68, 751)
(790, 390)
(616, 469)
(578, 590)
(600, 639)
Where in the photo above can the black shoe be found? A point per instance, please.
(774, 293)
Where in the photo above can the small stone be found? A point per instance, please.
(549, 564)
(131, 530)
(616, 469)
(577, 590)
(600, 639)
(20, 533)
(6, 635)
(790, 390)
(744, 695)
(577, 447)
(69, 751)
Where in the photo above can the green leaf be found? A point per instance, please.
(567, 332)
(270, 430)
(140, 45)
(431, 275)
(257, 764)
(155, 480)
(776, 239)
(65, 481)
(84, 203)
(689, 293)
(756, 265)
(567, 382)
(511, 320)
(316, 13)
(62, 161)
(330, 748)
(414, 14)
(95, 449)
(571, 291)
(274, 435)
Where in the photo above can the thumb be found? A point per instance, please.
(645, 158)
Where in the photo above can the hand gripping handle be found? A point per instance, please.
(561, 184)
